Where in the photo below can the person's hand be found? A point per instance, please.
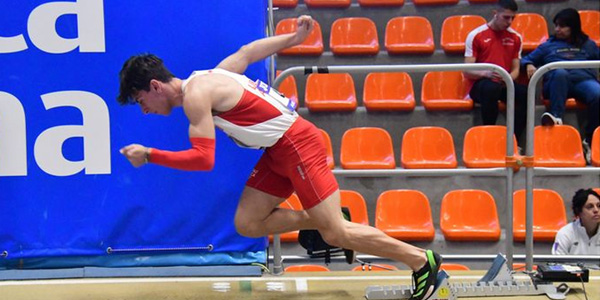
(136, 154)
(493, 76)
(305, 26)
(530, 70)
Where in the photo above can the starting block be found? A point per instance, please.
(498, 281)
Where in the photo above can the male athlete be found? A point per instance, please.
(257, 116)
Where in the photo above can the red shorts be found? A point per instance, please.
(297, 162)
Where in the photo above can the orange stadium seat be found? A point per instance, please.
(285, 3)
(596, 148)
(328, 148)
(469, 215)
(409, 35)
(446, 90)
(533, 29)
(288, 88)
(307, 268)
(327, 3)
(367, 148)
(388, 91)
(570, 104)
(597, 190)
(354, 36)
(357, 206)
(453, 267)
(455, 30)
(434, 2)
(485, 147)
(549, 215)
(330, 92)
(557, 146)
(312, 46)
(590, 24)
(375, 267)
(428, 148)
(404, 215)
(380, 2)
(521, 267)
(290, 203)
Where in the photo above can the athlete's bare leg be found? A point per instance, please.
(257, 216)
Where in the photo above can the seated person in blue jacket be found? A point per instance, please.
(568, 43)
(581, 236)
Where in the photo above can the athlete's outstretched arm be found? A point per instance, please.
(201, 155)
(260, 49)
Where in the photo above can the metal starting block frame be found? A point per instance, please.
(498, 281)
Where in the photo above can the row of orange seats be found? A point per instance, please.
(433, 148)
(413, 34)
(441, 90)
(375, 3)
(465, 215)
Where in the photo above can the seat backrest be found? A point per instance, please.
(328, 148)
(380, 2)
(428, 147)
(590, 24)
(409, 35)
(469, 215)
(549, 214)
(596, 147)
(330, 92)
(289, 88)
(446, 90)
(533, 29)
(434, 2)
(455, 30)
(306, 268)
(327, 3)
(388, 91)
(557, 146)
(404, 214)
(354, 36)
(453, 267)
(485, 147)
(357, 206)
(375, 267)
(312, 45)
(367, 148)
(285, 3)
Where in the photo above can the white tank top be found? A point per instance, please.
(261, 116)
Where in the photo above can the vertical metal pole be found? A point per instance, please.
(277, 261)
(529, 176)
(510, 147)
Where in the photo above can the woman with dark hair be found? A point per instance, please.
(568, 43)
(581, 236)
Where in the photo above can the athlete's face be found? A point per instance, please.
(153, 101)
(590, 213)
(503, 18)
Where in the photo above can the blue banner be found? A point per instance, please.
(64, 188)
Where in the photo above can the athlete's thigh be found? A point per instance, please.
(257, 205)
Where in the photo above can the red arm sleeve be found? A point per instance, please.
(201, 157)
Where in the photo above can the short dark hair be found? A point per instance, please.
(136, 75)
(580, 199)
(508, 4)
(569, 17)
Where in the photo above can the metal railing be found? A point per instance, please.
(539, 73)
(508, 171)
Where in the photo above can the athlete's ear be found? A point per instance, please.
(155, 85)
